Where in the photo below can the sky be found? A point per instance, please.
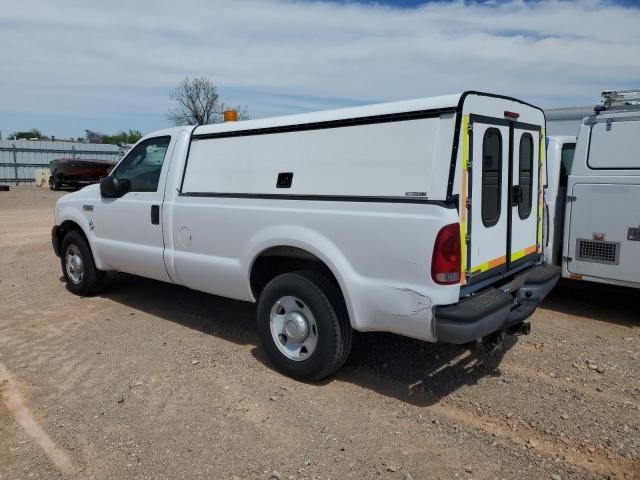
(67, 66)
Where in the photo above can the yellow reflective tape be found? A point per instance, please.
(496, 262)
(483, 267)
(523, 253)
(463, 198)
(541, 154)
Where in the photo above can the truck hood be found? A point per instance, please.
(88, 192)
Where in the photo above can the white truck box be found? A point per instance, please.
(597, 219)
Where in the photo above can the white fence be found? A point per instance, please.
(20, 158)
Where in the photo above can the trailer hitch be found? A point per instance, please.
(523, 328)
(492, 343)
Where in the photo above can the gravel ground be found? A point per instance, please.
(150, 380)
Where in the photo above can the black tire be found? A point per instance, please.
(324, 300)
(93, 280)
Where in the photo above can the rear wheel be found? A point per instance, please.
(80, 273)
(303, 325)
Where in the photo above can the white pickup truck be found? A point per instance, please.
(422, 218)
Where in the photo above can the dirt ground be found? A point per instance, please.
(150, 381)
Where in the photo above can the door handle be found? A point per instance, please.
(548, 219)
(516, 195)
(155, 214)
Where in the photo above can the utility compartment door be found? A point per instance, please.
(526, 196)
(487, 175)
(604, 231)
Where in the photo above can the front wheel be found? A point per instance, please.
(80, 273)
(303, 325)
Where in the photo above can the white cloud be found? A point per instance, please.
(121, 58)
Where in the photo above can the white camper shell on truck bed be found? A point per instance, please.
(421, 218)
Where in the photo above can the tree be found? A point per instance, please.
(93, 137)
(132, 136)
(29, 134)
(196, 102)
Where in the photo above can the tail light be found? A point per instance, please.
(445, 265)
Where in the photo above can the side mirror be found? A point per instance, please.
(111, 187)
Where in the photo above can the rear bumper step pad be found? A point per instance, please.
(493, 309)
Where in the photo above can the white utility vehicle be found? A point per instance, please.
(421, 218)
(594, 228)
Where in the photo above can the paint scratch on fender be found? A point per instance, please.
(417, 302)
(23, 416)
(410, 290)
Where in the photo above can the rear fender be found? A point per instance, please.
(310, 241)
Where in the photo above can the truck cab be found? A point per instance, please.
(560, 151)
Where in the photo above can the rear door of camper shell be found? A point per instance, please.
(501, 177)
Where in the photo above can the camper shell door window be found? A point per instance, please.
(491, 176)
(525, 175)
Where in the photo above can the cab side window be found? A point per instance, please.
(143, 164)
(566, 162)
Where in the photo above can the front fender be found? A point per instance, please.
(71, 213)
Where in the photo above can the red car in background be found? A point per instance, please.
(76, 172)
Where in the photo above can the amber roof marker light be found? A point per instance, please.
(230, 116)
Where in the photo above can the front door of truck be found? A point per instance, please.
(128, 229)
(499, 205)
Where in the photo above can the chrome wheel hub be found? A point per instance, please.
(296, 327)
(74, 264)
(293, 328)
